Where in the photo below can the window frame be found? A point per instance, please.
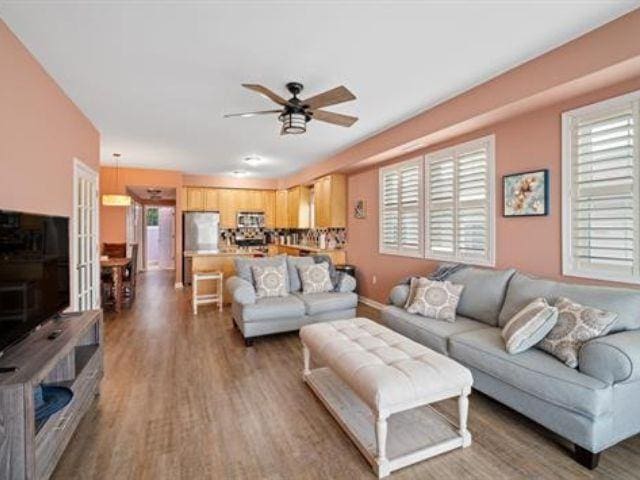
(417, 161)
(456, 150)
(569, 267)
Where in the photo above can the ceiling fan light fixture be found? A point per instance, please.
(293, 123)
(239, 173)
(252, 160)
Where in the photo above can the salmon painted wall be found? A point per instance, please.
(113, 226)
(41, 132)
(527, 142)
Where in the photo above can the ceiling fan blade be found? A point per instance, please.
(251, 114)
(335, 118)
(330, 97)
(266, 92)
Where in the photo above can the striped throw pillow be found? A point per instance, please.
(529, 326)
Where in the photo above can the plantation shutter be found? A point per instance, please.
(458, 208)
(603, 197)
(401, 209)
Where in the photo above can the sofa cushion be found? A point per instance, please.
(294, 277)
(438, 300)
(427, 331)
(271, 281)
(483, 294)
(623, 301)
(269, 308)
(243, 265)
(533, 372)
(315, 278)
(316, 303)
(529, 326)
(576, 325)
(399, 295)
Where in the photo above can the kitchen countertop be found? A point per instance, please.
(223, 252)
(310, 248)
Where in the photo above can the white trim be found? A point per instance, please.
(371, 303)
(178, 285)
(588, 112)
(81, 169)
(489, 143)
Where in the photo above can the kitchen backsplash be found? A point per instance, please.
(324, 238)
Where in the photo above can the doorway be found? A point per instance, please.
(85, 258)
(159, 237)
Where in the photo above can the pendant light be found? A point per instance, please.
(116, 199)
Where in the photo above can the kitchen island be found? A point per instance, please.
(221, 260)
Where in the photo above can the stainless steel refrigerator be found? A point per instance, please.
(200, 232)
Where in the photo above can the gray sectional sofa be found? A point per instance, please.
(263, 316)
(594, 406)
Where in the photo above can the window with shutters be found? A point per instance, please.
(459, 197)
(601, 190)
(401, 209)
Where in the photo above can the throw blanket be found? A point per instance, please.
(335, 276)
(440, 274)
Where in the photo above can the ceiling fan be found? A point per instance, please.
(295, 112)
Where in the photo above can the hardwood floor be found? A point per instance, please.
(184, 399)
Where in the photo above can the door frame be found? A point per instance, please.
(82, 170)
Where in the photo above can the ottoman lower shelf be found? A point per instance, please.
(413, 435)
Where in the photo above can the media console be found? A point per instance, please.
(73, 358)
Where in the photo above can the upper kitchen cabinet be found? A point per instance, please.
(229, 201)
(330, 201)
(211, 200)
(282, 213)
(269, 203)
(298, 207)
(194, 199)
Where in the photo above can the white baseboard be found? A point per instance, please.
(370, 302)
(178, 285)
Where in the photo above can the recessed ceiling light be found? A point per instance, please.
(239, 173)
(252, 160)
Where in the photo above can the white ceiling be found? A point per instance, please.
(156, 77)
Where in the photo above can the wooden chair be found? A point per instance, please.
(131, 275)
(206, 298)
(114, 250)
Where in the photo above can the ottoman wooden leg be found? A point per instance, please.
(381, 438)
(463, 412)
(307, 360)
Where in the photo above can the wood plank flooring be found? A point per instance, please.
(184, 399)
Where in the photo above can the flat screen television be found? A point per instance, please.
(34, 272)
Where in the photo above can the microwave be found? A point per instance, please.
(250, 220)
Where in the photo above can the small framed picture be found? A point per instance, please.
(359, 210)
(526, 194)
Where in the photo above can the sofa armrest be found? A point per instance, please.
(612, 359)
(241, 291)
(398, 295)
(347, 284)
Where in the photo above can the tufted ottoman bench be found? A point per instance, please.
(378, 385)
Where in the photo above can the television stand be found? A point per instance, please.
(72, 359)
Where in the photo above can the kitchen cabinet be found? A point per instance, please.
(195, 199)
(282, 214)
(229, 202)
(298, 204)
(330, 201)
(211, 202)
(269, 204)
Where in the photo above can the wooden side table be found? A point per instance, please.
(202, 298)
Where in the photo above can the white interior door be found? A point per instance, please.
(85, 274)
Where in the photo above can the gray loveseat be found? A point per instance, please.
(262, 316)
(594, 406)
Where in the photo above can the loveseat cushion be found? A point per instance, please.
(316, 303)
(483, 294)
(269, 308)
(427, 331)
(623, 301)
(534, 372)
(294, 277)
(243, 265)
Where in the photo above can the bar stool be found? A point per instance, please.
(206, 298)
